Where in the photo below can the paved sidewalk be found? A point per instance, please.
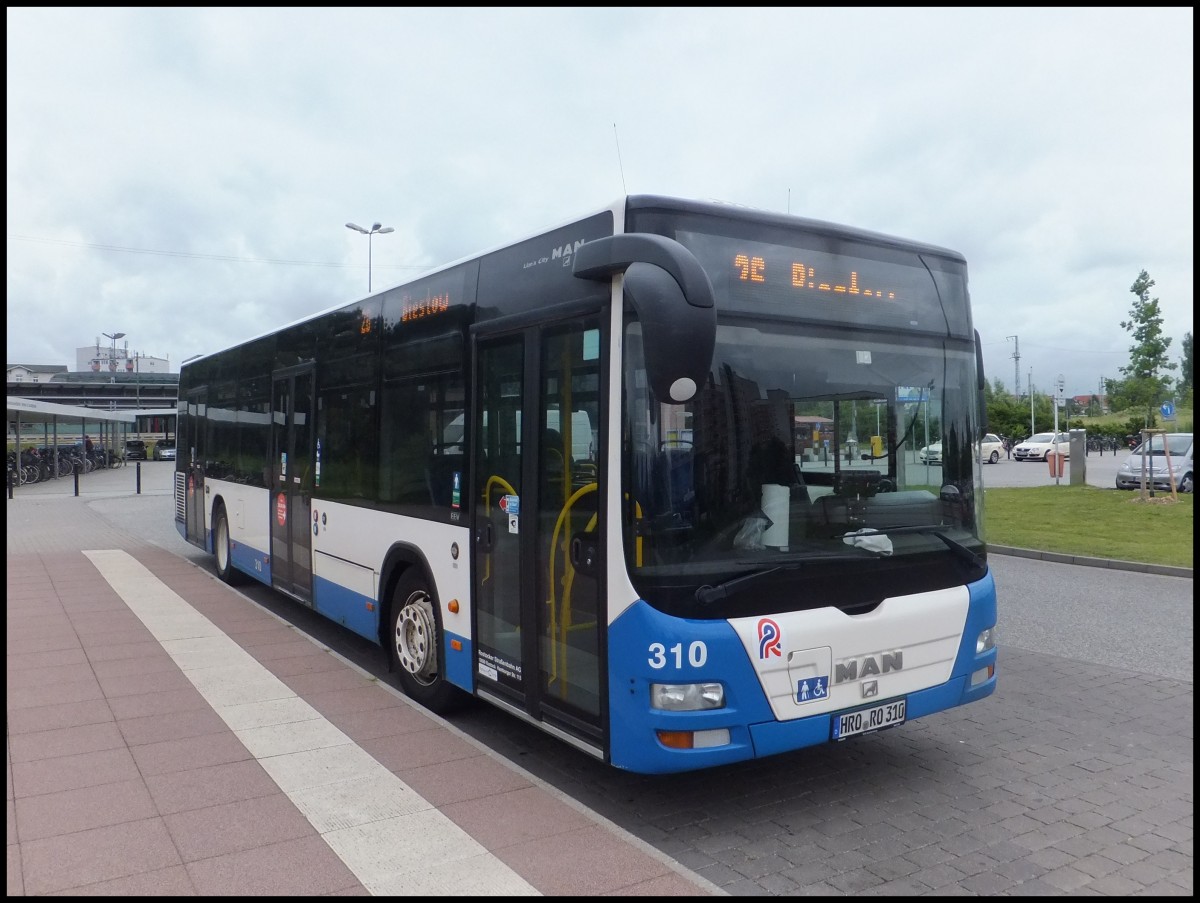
(167, 736)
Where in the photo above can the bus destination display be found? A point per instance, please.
(831, 281)
(753, 268)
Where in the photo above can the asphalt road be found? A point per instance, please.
(1098, 470)
(1075, 777)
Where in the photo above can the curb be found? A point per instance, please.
(1165, 570)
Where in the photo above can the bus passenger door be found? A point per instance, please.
(497, 495)
(292, 482)
(540, 621)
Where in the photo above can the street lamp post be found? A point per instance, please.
(1031, 427)
(112, 360)
(112, 357)
(370, 233)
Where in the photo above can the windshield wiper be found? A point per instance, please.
(939, 531)
(723, 590)
(706, 594)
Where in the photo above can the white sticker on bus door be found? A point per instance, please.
(511, 505)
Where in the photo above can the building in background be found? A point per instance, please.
(108, 357)
(33, 373)
(107, 376)
(1092, 405)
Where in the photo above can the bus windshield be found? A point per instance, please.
(802, 457)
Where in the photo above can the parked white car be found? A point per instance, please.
(1037, 446)
(931, 454)
(991, 449)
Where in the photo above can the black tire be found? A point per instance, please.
(414, 643)
(225, 569)
(995, 457)
(1187, 484)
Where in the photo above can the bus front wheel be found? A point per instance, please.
(221, 548)
(415, 645)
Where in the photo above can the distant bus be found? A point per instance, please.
(577, 477)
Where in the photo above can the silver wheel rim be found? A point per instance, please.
(416, 638)
(222, 545)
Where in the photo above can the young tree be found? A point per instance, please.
(1146, 384)
(1005, 415)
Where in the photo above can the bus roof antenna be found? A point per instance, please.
(620, 165)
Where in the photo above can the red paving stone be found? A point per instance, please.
(123, 780)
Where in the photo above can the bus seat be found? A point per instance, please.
(800, 488)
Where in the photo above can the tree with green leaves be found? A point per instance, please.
(1005, 415)
(1147, 383)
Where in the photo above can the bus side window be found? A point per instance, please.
(439, 477)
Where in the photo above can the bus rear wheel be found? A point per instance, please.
(415, 645)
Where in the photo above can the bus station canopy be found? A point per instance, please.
(28, 410)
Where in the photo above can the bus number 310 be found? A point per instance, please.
(697, 655)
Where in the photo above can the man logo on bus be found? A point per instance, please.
(869, 665)
(769, 639)
(566, 251)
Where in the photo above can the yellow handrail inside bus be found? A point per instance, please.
(487, 513)
(557, 633)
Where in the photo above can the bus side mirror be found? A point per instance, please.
(980, 383)
(674, 300)
(678, 345)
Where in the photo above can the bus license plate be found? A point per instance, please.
(860, 722)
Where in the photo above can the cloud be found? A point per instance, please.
(184, 175)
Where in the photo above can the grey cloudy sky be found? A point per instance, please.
(184, 175)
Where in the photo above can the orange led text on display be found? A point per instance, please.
(751, 268)
(754, 269)
(415, 310)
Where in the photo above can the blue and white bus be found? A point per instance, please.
(648, 480)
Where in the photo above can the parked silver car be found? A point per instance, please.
(1153, 456)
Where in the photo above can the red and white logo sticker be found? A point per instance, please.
(281, 509)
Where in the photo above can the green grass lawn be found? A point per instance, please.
(1098, 523)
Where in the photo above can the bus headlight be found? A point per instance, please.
(687, 697)
(985, 641)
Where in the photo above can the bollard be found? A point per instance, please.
(139, 477)
(11, 475)
(75, 470)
